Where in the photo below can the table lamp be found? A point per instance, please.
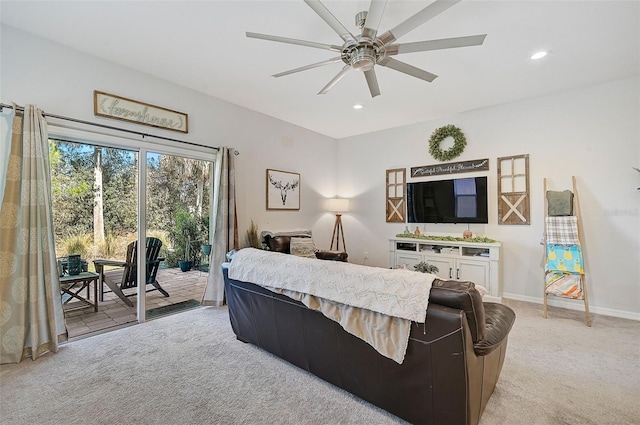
(338, 206)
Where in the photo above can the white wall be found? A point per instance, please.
(61, 81)
(592, 133)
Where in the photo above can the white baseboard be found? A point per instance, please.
(491, 299)
(574, 305)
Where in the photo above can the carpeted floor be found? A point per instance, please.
(188, 368)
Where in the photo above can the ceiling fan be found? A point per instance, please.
(362, 52)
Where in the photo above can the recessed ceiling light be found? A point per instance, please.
(539, 55)
(358, 106)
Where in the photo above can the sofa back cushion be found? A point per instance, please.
(463, 296)
(278, 243)
(281, 241)
(302, 247)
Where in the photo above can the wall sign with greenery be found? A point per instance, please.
(442, 133)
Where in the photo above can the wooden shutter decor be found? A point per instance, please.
(396, 192)
(513, 190)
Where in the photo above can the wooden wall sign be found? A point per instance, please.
(513, 190)
(450, 168)
(121, 108)
(396, 189)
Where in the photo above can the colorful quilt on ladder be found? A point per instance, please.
(564, 270)
(564, 285)
(562, 230)
(564, 258)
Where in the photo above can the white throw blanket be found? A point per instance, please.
(372, 303)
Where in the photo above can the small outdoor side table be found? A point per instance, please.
(73, 286)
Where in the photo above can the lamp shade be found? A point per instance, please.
(338, 205)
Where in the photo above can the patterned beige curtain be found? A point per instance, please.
(225, 235)
(31, 316)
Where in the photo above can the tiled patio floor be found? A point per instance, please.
(181, 286)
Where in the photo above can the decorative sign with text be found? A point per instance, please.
(450, 168)
(112, 106)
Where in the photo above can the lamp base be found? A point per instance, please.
(338, 233)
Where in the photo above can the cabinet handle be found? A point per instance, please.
(450, 274)
(458, 274)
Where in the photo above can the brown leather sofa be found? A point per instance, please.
(281, 243)
(451, 366)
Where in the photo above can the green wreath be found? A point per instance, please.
(442, 133)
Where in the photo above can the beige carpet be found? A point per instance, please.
(189, 369)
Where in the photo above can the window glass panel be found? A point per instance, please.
(95, 207)
(178, 214)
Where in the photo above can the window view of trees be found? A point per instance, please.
(95, 203)
(179, 196)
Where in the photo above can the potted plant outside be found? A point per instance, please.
(185, 265)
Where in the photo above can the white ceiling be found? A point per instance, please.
(202, 45)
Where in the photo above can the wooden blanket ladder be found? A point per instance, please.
(582, 287)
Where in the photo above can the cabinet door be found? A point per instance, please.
(407, 261)
(475, 271)
(446, 266)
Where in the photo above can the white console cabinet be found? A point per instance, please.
(473, 261)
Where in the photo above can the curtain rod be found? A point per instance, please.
(139, 133)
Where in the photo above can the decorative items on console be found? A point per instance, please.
(473, 259)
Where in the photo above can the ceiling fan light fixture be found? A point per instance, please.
(363, 58)
(539, 55)
(362, 52)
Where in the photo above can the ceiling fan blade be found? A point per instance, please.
(443, 43)
(372, 82)
(328, 17)
(295, 41)
(304, 68)
(335, 79)
(374, 16)
(429, 12)
(407, 69)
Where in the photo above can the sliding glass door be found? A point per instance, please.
(178, 204)
(95, 210)
(130, 215)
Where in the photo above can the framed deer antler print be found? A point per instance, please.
(283, 190)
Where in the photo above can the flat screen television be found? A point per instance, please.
(448, 201)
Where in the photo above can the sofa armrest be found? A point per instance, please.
(461, 295)
(499, 319)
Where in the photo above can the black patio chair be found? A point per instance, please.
(129, 278)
